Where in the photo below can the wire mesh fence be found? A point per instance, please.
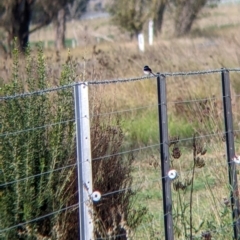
(40, 192)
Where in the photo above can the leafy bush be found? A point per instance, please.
(38, 180)
(37, 143)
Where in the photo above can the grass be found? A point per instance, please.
(213, 43)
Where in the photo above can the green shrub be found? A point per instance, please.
(38, 177)
(37, 142)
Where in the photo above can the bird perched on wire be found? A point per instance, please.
(148, 71)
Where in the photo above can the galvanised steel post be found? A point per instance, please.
(84, 161)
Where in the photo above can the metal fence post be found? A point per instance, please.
(228, 119)
(84, 161)
(165, 161)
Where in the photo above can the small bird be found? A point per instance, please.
(147, 70)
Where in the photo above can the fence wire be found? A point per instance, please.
(113, 81)
(146, 174)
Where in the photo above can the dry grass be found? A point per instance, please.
(213, 43)
(121, 58)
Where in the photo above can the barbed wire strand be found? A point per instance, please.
(174, 74)
(94, 83)
(38, 92)
(94, 159)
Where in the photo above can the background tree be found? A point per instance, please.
(56, 11)
(158, 9)
(130, 15)
(76, 8)
(15, 18)
(186, 14)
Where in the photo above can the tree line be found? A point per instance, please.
(130, 15)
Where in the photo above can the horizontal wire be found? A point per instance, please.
(134, 188)
(39, 218)
(203, 136)
(37, 175)
(103, 82)
(142, 226)
(192, 100)
(101, 114)
(174, 74)
(63, 209)
(108, 156)
(75, 164)
(40, 92)
(107, 113)
(153, 105)
(58, 211)
(77, 205)
(156, 145)
(125, 110)
(158, 179)
(191, 73)
(36, 128)
(128, 151)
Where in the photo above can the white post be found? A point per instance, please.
(141, 42)
(46, 44)
(84, 161)
(73, 43)
(150, 32)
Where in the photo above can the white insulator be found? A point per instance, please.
(236, 159)
(172, 174)
(96, 196)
